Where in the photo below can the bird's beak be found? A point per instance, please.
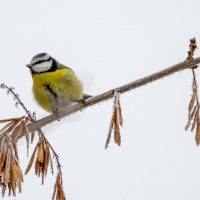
(29, 66)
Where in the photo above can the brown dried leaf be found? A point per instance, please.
(11, 172)
(193, 113)
(198, 132)
(13, 184)
(9, 189)
(17, 176)
(187, 125)
(194, 87)
(46, 160)
(11, 119)
(11, 127)
(120, 113)
(195, 120)
(191, 104)
(3, 190)
(116, 126)
(16, 151)
(3, 154)
(31, 160)
(7, 126)
(7, 167)
(37, 168)
(2, 144)
(56, 186)
(19, 184)
(108, 138)
(51, 164)
(60, 193)
(17, 132)
(14, 171)
(191, 116)
(117, 137)
(116, 120)
(19, 171)
(40, 153)
(109, 132)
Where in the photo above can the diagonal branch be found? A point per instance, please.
(187, 64)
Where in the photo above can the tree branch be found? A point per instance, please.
(187, 64)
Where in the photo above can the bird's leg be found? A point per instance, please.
(55, 111)
(81, 101)
(85, 97)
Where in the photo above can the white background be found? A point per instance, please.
(109, 43)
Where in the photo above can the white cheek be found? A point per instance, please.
(42, 67)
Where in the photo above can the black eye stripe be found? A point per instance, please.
(41, 61)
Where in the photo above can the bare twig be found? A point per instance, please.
(16, 97)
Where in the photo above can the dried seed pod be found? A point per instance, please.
(11, 175)
(58, 193)
(116, 121)
(31, 160)
(17, 131)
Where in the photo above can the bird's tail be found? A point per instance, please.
(86, 96)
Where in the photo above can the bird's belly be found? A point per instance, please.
(53, 91)
(43, 98)
(49, 101)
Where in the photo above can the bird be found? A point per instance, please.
(54, 85)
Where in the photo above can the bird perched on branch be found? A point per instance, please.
(54, 85)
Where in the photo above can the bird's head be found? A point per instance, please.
(41, 63)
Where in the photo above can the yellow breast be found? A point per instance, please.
(64, 85)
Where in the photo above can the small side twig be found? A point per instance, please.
(16, 98)
(192, 48)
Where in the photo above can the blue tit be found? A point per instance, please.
(54, 85)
